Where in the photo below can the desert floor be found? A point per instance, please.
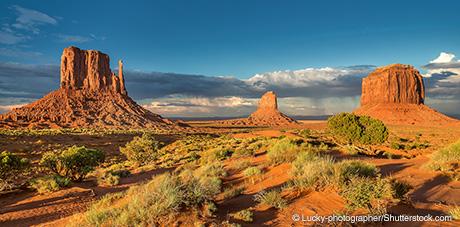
(433, 193)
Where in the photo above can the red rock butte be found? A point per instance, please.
(91, 96)
(266, 114)
(395, 94)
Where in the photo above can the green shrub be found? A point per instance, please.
(108, 178)
(357, 130)
(308, 168)
(399, 188)
(74, 162)
(408, 147)
(444, 158)
(11, 166)
(284, 151)
(141, 150)
(394, 145)
(272, 198)
(49, 183)
(305, 133)
(365, 193)
(244, 215)
(351, 151)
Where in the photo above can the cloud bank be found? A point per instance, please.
(301, 92)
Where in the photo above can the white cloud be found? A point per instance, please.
(29, 19)
(443, 57)
(300, 78)
(72, 38)
(442, 64)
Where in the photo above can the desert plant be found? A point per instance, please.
(400, 188)
(244, 215)
(370, 194)
(305, 133)
(242, 164)
(272, 198)
(283, 151)
(74, 162)
(444, 158)
(141, 150)
(350, 129)
(234, 192)
(394, 145)
(11, 166)
(454, 212)
(49, 183)
(108, 178)
(243, 152)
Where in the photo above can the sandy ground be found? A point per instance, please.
(433, 193)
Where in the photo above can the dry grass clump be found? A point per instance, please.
(156, 201)
(444, 159)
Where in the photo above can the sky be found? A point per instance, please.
(216, 58)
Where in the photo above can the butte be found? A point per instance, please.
(266, 114)
(91, 96)
(395, 94)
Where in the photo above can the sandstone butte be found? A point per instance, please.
(266, 114)
(91, 96)
(395, 94)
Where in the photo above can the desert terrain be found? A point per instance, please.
(88, 155)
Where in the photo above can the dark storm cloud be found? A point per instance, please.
(442, 65)
(27, 81)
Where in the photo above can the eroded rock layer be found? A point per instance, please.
(395, 94)
(266, 114)
(91, 96)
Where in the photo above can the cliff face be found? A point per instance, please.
(395, 94)
(89, 70)
(394, 83)
(91, 96)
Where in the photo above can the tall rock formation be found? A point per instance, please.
(91, 96)
(395, 94)
(266, 114)
(394, 83)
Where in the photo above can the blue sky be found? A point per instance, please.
(221, 39)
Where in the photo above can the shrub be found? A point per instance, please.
(272, 198)
(216, 154)
(305, 133)
(74, 162)
(251, 171)
(154, 202)
(444, 158)
(49, 183)
(108, 178)
(244, 215)
(283, 151)
(394, 145)
(11, 166)
(367, 194)
(454, 212)
(242, 164)
(234, 192)
(356, 130)
(243, 152)
(399, 188)
(141, 150)
(351, 151)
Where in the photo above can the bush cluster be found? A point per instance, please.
(444, 159)
(74, 162)
(157, 200)
(49, 183)
(283, 151)
(350, 129)
(142, 150)
(11, 166)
